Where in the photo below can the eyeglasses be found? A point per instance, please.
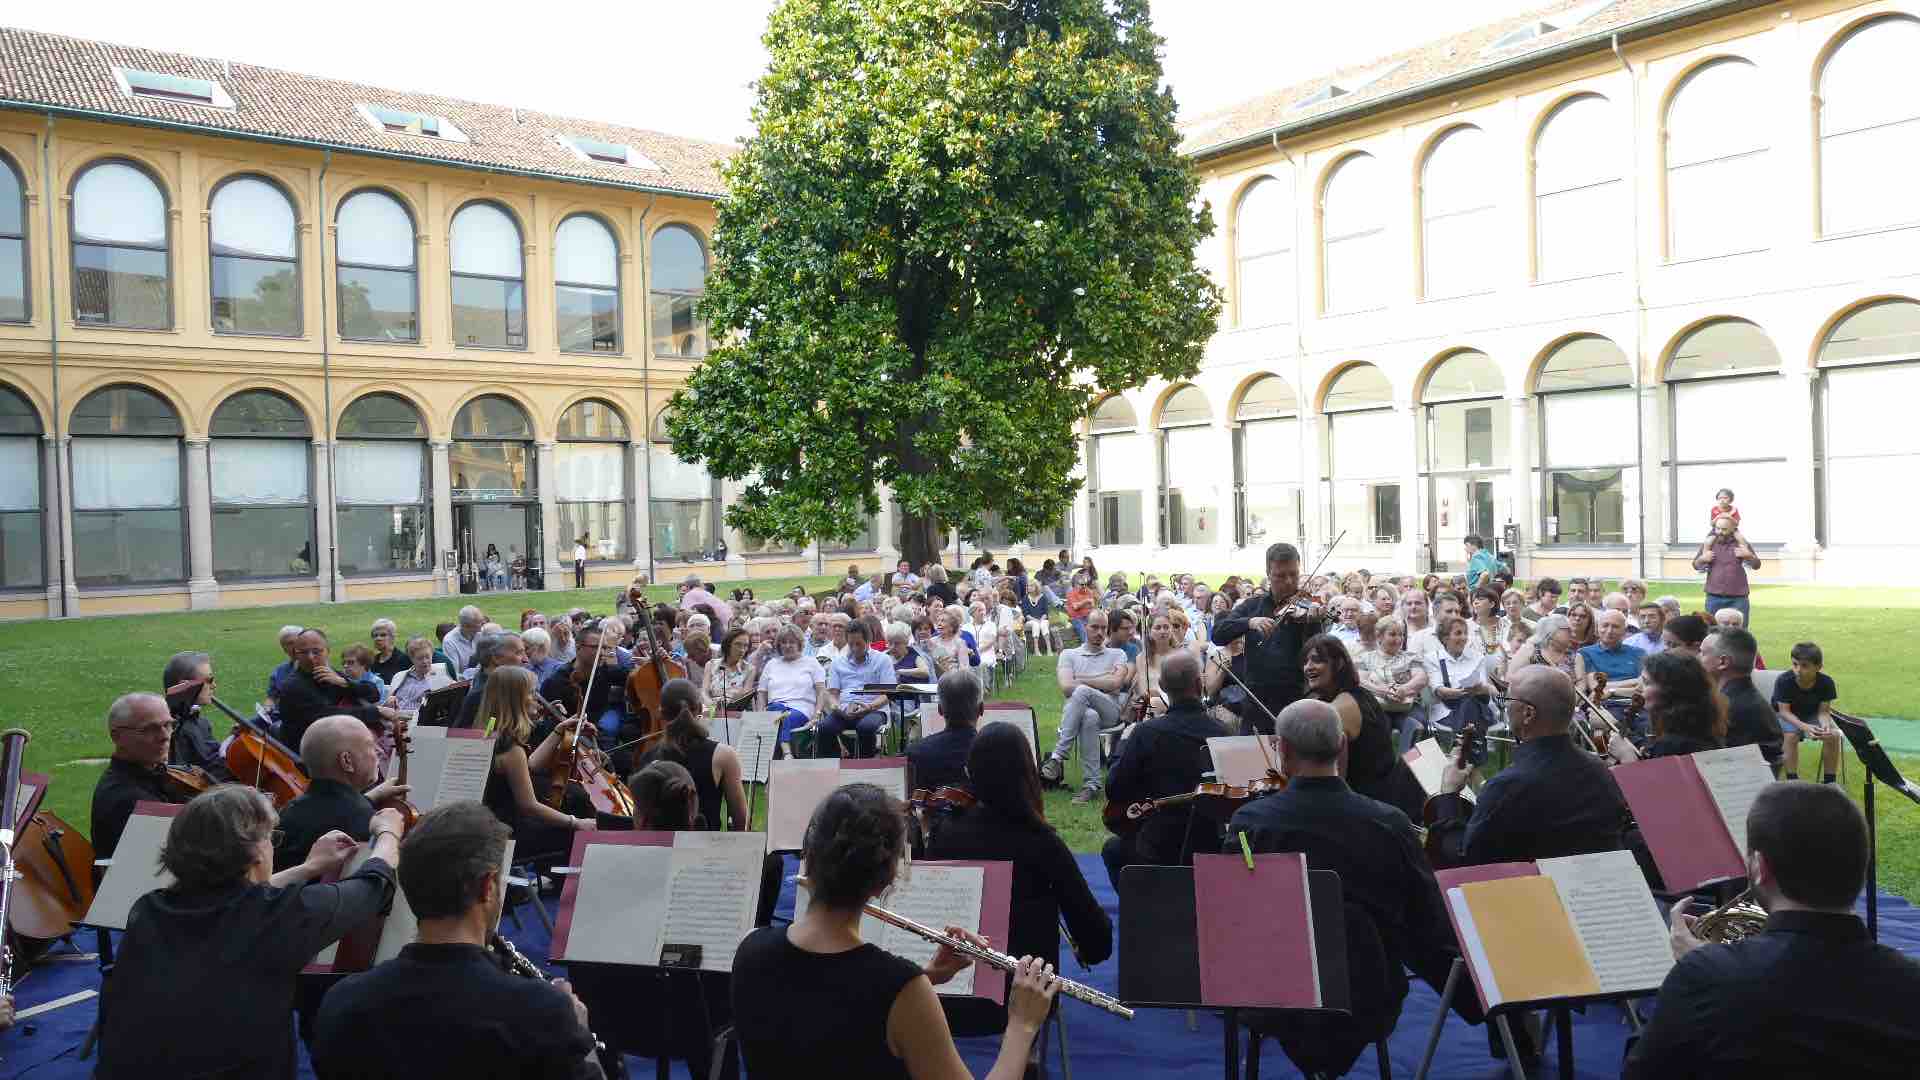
(1507, 700)
(162, 727)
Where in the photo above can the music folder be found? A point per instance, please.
(1692, 810)
(755, 736)
(975, 896)
(135, 870)
(1426, 760)
(447, 765)
(381, 938)
(1577, 927)
(799, 785)
(26, 801)
(676, 900)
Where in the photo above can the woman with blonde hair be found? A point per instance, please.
(506, 707)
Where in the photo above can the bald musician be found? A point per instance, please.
(141, 728)
(343, 760)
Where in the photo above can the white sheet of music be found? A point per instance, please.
(1428, 766)
(936, 896)
(1239, 759)
(1734, 776)
(755, 736)
(443, 770)
(799, 785)
(621, 904)
(1019, 718)
(22, 799)
(713, 887)
(1615, 917)
(135, 871)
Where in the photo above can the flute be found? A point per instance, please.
(992, 957)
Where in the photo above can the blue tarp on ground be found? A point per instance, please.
(1156, 1043)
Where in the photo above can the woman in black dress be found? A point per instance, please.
(714, 766)
(507, 707)
(1373, 769)
(1687, 714)
(813, 1000)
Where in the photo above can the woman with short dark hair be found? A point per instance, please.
(231, 930)
(868, 1013)
(1686, 713)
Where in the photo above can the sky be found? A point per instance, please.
(687, 68)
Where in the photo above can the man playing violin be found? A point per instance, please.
(606, 696)
(1277, 625)
(1166, 755)
(141, 729)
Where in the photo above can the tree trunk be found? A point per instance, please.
(920, 539)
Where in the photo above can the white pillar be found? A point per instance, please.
(638, 482)
(202, 590)
(1652, 510)
(52, 517)
(1081, 511)
(1525, 503)
(885, 529)
(553, 574)
(736, 541)
(1313, 485)
(326, 561)
(444, 580)
(68, 585)
(1801, 401)
(1411, 550)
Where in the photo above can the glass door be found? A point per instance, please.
(499, 545)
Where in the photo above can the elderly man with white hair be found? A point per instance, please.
(459, 642)
(1374, 849)
(1613, 657)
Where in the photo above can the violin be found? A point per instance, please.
(183, 782)
(402, 747)
(1220, 799)
(942, 800)
(604, 790)
(256, 758)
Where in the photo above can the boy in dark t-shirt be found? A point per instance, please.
(1804, 699)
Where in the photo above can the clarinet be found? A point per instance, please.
(13, 749)
(516, 963)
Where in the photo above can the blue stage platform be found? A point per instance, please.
(1155, 1044)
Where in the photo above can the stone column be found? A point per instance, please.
(326, 559)
(1801, 400)
(1313, 486)
(1081, 511)
(444, 580)
(1412, 549)
(202, 590)
(56, 528)
(1651, 512)
(736, 540)
(885, 529)
(546, 482)
(639, 481)
(1526, 501)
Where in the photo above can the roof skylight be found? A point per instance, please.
(605, 153)
(402, 122)
(1347, 84)
(161, 87)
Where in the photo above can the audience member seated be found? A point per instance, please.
(315, 690)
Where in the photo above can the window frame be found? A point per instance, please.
(625, 501)
(299, 270)
(1172, 524)
(653, 290)
(1282, 313)
(1378, 232)
(310, 505)
(1822, 137)
(74, 244)
(424, 505)
(181, 511)
(26, 244)
(1753, 157)
(455, 276)
(39, 513)
(340, 266)
(1096, 493)
(619, 289)
(1622, 257)
(1487, 210)
(1243, 481)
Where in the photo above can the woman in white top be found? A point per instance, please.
(410, 687)
(792, 684)
(1454, 671)
(986, 633)
(1163, 640)
(1394, 675)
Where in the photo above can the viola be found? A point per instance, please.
(402, 747)
(183, 782)
(942, 800)
(608, 794)
(1219, 800)
(256, 758)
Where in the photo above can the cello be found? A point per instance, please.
(50, 885)
(644, 685)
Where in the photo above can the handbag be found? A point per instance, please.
(1471, 711)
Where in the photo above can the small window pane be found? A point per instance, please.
(1194, 496)
(1356, 278)
(486, 241)
(1361, 386)
(490, 470)
(1590, 506)
(1713, 208)
(379, 305)
(1763, 489)
(1271, 451)
(489, 313)
(125, 473)
(585, 253)
(589, 420)
(492, 417)
(1456, 203)
(19, 473)
(588, 472)
(125, 410)
(604, 524)
(682, 530)
(379, 473)
(1578, 232)
(1589, 429)
(1576, 146)
(679, 261)
(1352, 200)
(375, 231)
(382, 415)
(1122, 461)
(1866, 178)
(1269, 396)
(672, 478)
(1728, 347)
(12, 205)
(116, 203)
(1470, 374)
(1187, 405)
(1264, 237)
(589, 320)
(255, 296)
(120, 287)
(13, 280)
(1116, 517)
(252, 217)
(259, 472)
(259, 412)
(381, 539)
(1584, 362)
(1468, 435)
(23, 556)
(676, 332)
(262, 541)
(1877, 404)
(1266, 290)
(1888, 330)
(1114, 414)
(1369, 444)
(1868, 81)
(1718, 112)
(128, 547)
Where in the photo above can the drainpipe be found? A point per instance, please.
(1301, 430)
(53, 356)
(1639, 302)
(646, 391)
(326, 392)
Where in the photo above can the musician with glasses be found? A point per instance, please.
(141, 728)
(1848, 1009)
(188, 682)
(231, 933)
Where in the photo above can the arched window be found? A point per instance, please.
(496, 507)
(683, 502)
(1468, 487)
(1353, 224)
(379, 283)
(383, 522)
(1588, 442)
(1263, 245)
(679, 276)
(1869, 380)
(586, 277)
(1579, 198)
(23, 551)
(1717, 184)
(1118, 463)
(120, 249)
(1189, 470)
(1266, 464)
(256, 259)
(1365, 451)
(1459, 248)
(1727, 369)
(590, 466)
(261, 469)
(1870, 117)
(13, 244)
(129, 523)
(489, 279)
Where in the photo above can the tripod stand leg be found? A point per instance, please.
(1439, 1020)
(1513, 1050)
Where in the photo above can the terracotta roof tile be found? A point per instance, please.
(39, 69)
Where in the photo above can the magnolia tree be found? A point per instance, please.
(955, 220)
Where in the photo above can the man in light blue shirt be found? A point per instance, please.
(1480, 562)
(1653, 618)
(853, 671)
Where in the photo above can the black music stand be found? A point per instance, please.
(1160, 946)
(1881, 768)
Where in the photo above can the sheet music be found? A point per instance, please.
(444, 768)
(1734, 776)
(1240, 760)
(1019, 718)
(1615, 917)
(135, 871)
(621, 904)
(755, 735)
(799, 785)
(1428, 760)
(713, 887)
(936, 896)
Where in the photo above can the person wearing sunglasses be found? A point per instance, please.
(188, 683)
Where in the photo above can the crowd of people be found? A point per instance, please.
(1345, 670)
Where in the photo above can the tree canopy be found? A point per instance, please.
(955, 222)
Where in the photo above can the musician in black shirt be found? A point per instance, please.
(1166, 755)
(1276, 631)
(187, 682)
(141, 729)
(1728, 654)
(444, 1006)
(940, 759)
(1812, 994)
(343, 761)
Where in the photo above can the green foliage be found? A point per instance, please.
(955, 220)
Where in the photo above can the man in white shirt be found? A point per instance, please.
(459, 642)
(1092, 678)
(580, 563)
(1415, 613)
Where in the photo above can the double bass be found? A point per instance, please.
(256, 758)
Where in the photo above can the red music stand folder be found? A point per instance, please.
(1257, 947)
(1692, 810)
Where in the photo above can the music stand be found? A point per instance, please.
(1879, 767)
(1160, 947)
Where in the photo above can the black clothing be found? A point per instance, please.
(1676, 745)
(241, 947)
(1373, 768)
(449, 1011)
(530, 837)
(395, 663)
(121, 786)
(1166, 755)
(940, 760)
(327, 805)
(468, 715)
(1811, 996)
(699, 762)
(1804, 702)
(1273, 663)
(943, 592)
(1751, 720)
(807, 1015)
(193, 744)
(609, 690)
(303, 700)
(1554, 799)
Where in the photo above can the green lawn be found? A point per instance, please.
(60, 676)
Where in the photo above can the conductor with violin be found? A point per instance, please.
(1277, 625)
(1165, 755)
